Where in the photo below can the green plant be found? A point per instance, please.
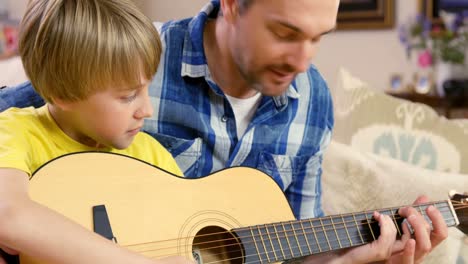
(434, 42)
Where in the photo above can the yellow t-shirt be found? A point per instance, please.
(30, 137)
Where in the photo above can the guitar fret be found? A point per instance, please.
(370, 227)
(297, 239)
(341, 230)
(306, 237)
(346, 229)
(333, 233)
(279, 241)
(271, 243)
(309, 237)
(344, 239)
(352, 230)
(336, 232)
(320, 231)
(294, 239)
(287, 239)
(358, 229)
(315, 235)
(256, 246)
(325, 234)
(446, 212)
(303, 234)
(264, 245)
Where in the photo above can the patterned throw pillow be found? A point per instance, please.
(372, 121)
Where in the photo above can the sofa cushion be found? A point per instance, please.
(375, 122)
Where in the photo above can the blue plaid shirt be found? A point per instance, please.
(195, 122)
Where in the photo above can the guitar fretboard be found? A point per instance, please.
(295, 239)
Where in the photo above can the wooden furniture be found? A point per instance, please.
(444, 105)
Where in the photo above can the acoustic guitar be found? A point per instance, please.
(237, 215)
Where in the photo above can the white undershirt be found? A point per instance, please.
(244, 110)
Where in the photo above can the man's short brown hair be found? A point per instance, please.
(72, 48)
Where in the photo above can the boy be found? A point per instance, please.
(92, 60)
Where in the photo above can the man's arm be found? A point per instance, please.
(22, 95)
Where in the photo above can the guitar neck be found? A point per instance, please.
(295, 239)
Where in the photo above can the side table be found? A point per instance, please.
(445, 104)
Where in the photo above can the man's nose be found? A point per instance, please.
(300, 57)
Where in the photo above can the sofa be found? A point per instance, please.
(386, 151)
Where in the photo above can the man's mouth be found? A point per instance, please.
(282, 76)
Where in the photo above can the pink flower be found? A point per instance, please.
(425, 59)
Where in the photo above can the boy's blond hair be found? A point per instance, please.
(72, 48)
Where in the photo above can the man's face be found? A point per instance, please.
(274, 40)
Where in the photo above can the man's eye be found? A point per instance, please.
(284, 35)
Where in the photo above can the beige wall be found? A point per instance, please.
(372, 55)
(16, 8)
(163, 10)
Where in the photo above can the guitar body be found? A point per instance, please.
(154, 212)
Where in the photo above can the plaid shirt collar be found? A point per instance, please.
(194, 63)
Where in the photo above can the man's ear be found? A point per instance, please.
(230, 9)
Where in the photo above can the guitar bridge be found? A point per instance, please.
(101, 223)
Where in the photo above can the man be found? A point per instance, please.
(235, 88)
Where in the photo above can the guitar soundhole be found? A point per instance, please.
(214, 244)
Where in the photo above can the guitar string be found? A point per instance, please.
(342, 225)
(330, 244)
(329, 248)
(279, 251)
(291, 223)
(266, 257)
(274, 251)
(321, 228)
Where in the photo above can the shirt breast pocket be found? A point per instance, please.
(187, 152)
(287, 170)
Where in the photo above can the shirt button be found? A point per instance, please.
(224, 118)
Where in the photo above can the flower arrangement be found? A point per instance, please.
(445, 42)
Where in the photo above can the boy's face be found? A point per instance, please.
(274, 40)
(111, 117)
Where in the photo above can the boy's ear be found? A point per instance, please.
(230, 9)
